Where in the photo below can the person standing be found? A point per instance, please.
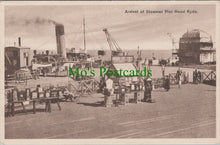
(148, 89)
(109, 85)
(199, 77)
(195, 76)
(163, 70)
(108, 91)
(167, 83)
(102, 84)
(179, 80)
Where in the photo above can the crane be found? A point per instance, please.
(112, 43)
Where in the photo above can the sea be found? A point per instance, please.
(158, 54)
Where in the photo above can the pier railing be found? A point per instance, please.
(209, 78)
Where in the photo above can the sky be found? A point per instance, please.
(34, 24)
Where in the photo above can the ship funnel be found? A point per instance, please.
(61, 49)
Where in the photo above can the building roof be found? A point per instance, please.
(200, 34)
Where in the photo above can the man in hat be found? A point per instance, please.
(148, 89)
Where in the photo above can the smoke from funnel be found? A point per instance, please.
(39, 21)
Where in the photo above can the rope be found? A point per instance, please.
(76, 34)
(96, 41)
(44, 43)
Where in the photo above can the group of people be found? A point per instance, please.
(167, 79)
(148, 87)
(197, 77)
(106, 86)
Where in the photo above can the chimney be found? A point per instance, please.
(19, 41)
(35, 52)
(61, 49)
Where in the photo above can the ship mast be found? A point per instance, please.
(84, 33)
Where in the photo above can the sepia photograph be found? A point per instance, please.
(110, 71)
